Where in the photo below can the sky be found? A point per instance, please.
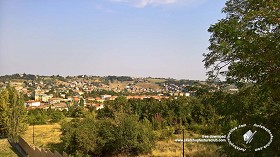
(138, 38)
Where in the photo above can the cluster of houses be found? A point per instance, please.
(55, 93)
(47, 101)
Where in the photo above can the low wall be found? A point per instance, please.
(32, 151)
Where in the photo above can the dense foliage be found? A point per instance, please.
(246, 42)
(17, 76)
(122, 135)
(12, 114)
(131, 126)
(118, 78)
(42, 116)
(183, 111)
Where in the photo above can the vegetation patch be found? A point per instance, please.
(6, 149)
(44, 135)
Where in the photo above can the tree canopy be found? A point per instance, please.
(12, 114)
(247, 42)
(245, 47)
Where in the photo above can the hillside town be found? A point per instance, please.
(58, 92)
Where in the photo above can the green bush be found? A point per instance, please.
(37, 117)
(125, 134)
(56, 116)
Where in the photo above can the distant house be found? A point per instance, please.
(90, 99)
(42, 106)
(98, 99)
(45, 97)
(32, 103)
(55, 100)
(129, 97)
(137, 97)
(106, 97)
(187, 94)
(59, 106)
(76, 98)
(63, 95)
(113, 97)
(99, 106)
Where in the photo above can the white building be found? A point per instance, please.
(187, 94)
(32, 103)
(105, 97)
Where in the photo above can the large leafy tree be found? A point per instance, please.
(245, 47)
(12, 114)
(247, 42)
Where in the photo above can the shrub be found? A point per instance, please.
(125, 134)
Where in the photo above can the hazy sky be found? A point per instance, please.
(157, 38)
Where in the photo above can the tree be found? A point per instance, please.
(56, 116)
(106, 137)
(246, 42)
(77, 111)
(4, 111)
(82, 102)
(37, 117)
(133, 137)
(13, 113)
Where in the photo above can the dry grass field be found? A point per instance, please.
(148, 85)
(120, 85)
(154, 80)
(173, 149)
(45, 136)
(170, 148)
(6, 149)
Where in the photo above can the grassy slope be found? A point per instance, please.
(46, 136)
(167, 148)
(153, 80)
(120, 85)
(170, 148)
(148, 85)
(6, 149)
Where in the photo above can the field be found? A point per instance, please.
(148, 85)
(170, 148)
(48, 136)
(167, 148)
(120, 85)
(154, 80)
(45, 136)
(5, 149)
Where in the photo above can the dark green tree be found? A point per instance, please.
(81, 102)
(56, 116)
(37, 116)
(133, 137)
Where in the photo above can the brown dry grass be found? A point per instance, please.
(153, 80)
(170, 148)
(148, 85)
(44, 135)
(6, 149)
(120, 85)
